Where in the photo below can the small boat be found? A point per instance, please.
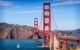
(18, 46)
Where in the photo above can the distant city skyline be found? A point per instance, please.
(66, 14)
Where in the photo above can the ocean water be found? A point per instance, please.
(30, 44)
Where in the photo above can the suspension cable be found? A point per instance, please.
(41, 20)
(54, 22)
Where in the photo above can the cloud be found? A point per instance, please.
(37, 11)
(5, 3)
(19, 12)
(67, 2)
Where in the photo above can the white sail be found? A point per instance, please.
(18, 46)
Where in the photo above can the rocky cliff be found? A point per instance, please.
(11, 31)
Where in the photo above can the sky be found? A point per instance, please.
(65, 14)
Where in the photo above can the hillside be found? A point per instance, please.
(75, 33)
(11, 31)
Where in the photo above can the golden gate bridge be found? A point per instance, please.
(46, 33)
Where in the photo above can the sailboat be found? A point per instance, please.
(18, 45)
